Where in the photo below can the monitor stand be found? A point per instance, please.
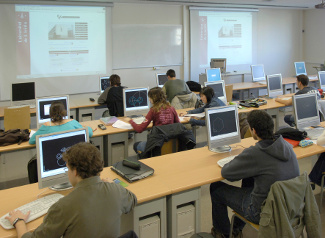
(61, 187)
(221, 149)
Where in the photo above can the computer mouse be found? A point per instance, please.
(92, 100)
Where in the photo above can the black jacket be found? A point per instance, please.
(115, 101)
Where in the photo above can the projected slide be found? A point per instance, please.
(60, 40)
(136, 99)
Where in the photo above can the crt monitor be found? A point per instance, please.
(274, 85)
(104, 83)
(43, 108)
(51, 167)
(213, 74)
(306, 111)
(23, 93)
(258, 72)
(219, 63)
(219, 89)
(321, 77)
(300, 68)
(135, 101)
(223, 127)
(161, 79)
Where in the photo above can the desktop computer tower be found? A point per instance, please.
(149, 227)
(185, 221)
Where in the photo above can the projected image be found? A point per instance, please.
(234, 30)
(136, 98)
(222, 123)
(68, 31)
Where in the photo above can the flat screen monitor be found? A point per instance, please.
(161, 79)
(321, 77)
(22, 93)
(300, 68)
(213, 74)
(274, 85)
(219, 63)
(219, 89)
(258, 72)
(43, 108)
(104, 83)
(306, 111)
(51, 167)
(223, 127)
(135, 101)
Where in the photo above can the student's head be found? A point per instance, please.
(83, 161)
(57, 112)
(115, 80)
(171, 74)
(206, 95)
(302, 81)
(158, 98)
(262, 123)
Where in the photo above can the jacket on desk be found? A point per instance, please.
(161, 134)
(184, 101)
(289, 207)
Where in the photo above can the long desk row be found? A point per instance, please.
(177, 180)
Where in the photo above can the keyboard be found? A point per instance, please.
(37, 208)
(30, 105)
(226, 160)
(314, 133)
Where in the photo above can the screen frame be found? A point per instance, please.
(277, 92)
(138, 111)
(257, 79)
(224, 97)
(305, 71)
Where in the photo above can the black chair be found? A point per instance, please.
(32, 170)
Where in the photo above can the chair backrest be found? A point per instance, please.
(32, 170)
(169, 147)
(17, 118)
(229, 90)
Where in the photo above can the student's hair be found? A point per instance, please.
(303, 79)
(158, 98)
(262, 123)
(208, 92)
(57, 111)
(115, 80)
(85, 159)
(171, 73)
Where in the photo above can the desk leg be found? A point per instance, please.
(174, 201)
(115, 138)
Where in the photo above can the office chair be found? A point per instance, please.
(32, 170)
(321, 193)
(17, 118)
(229, 91)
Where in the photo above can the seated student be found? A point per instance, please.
(174, 86)
(302, 84)
(209, 100)
(259, 166)
(316, 173)
(92, 209)
(57, 123)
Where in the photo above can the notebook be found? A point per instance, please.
(108, 121)
(130, 174)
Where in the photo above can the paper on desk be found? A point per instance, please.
(122, 125)
(31, 133)
(285, 98)
(195, 115)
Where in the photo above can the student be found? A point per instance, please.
(302, 84)
(92, 209)
(316, 173)
(57, 123)
(259, 166)
(209, 100)
(174, 86)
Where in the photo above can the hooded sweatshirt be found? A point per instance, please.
(264, 163)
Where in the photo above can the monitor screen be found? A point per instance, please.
(23, 91)
(50, 147)
(274, 85)
(104, 83)
(300, 68)
(161, 79)
(306, 110)
(135, 100)
(213, 74)
(321, 77)
(43, 108)
(258, 72)
(219, 89)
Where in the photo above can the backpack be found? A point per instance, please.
(13, 136)
(194, 86)
(291, 133)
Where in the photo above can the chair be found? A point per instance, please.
(169, 147)
(229, 90)
(32, 170)
(17, 118)
(321, 193)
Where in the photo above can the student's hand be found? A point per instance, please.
(17, 214)
(182, 114)
(186, 119)
(126, 119)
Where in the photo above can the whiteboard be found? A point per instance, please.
(136, 46)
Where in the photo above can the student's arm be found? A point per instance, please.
(42, 130)
(20, 225)
(195, 122)
(102, 98)
(129, 200)
(164, 89)
(195, 111)
(141, 127)
(285, 102)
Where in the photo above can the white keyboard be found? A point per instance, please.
(19, 106)
(226, 160)
(314, 133)
(37, 208)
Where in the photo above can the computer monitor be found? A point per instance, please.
(274, 85)
(213, 74)
(321, 79)
(219, 63)
(51, 167)
(219, 89)
(258, 72)
(135, 101)
(43, 108)
(306, 111)
(22, 93)
(300, 68)
(223, 127)
(161, 79)
(104, 83)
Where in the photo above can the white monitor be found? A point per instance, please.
(300, 68)
(43, 108)
(22, 93)
(219, 89)
(161, 79)
(306, 111)
(51, 167)
(274, 85)
(219, 63)
(223, 127)
(258, 72)
(321, 79)
(213, 74)
(104, 83)
(135, 101)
